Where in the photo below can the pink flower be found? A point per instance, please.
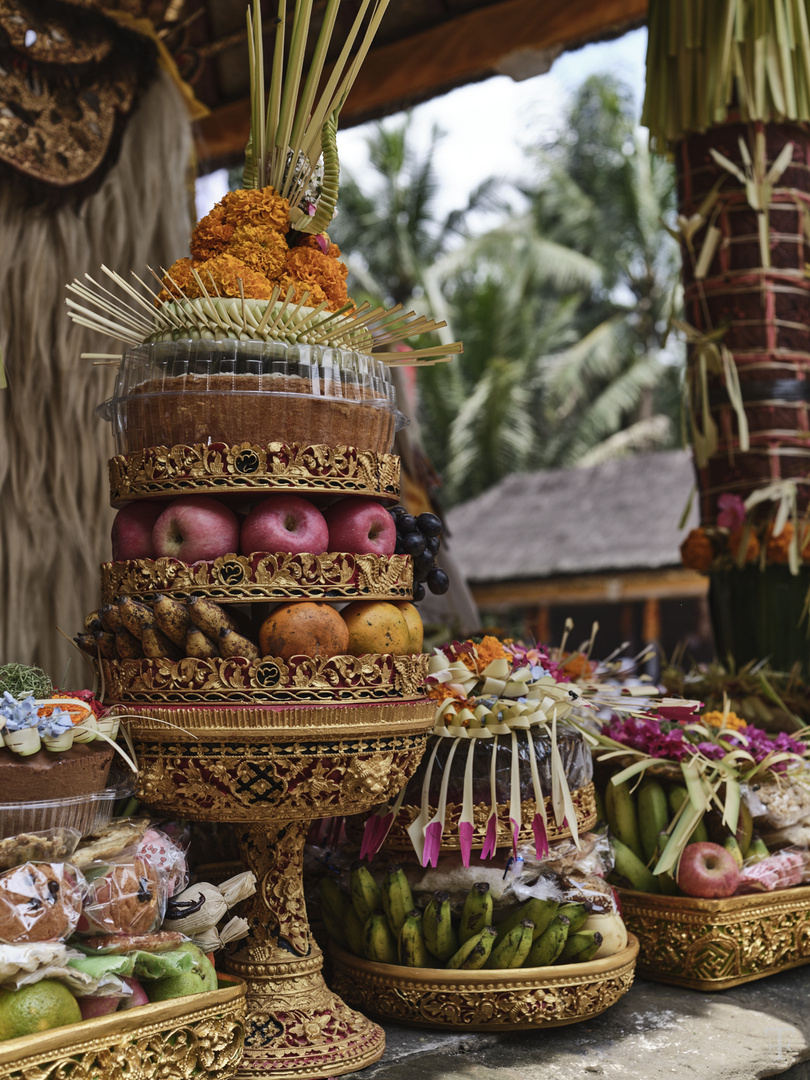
(732, 512)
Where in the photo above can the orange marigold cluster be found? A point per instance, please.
(224, 273)
(735, 540)
(261, 247)
(487, 650)
(179, 281)
(715, 718)
(697, 551)
(777, 548)
(311, 266)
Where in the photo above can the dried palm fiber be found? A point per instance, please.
(54, 493)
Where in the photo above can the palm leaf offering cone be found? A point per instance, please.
(728, 95)
(262, 267)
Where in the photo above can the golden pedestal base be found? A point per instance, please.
(716, 944)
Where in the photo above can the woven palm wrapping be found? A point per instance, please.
(763, 312)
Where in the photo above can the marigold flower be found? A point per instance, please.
(715, 718)
(735, 540)
(310, 264)
(224, 273)
(263, 208)
(211, 235)
(311, 289)
(576, 665)
(179, 277)
(262, 247)
(697, 551)
(777, 548)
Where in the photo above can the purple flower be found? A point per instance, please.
(732, 512)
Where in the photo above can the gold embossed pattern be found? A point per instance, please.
(485, 1000)
(584, 800)
(263, 576)
(248, 468)
(303, 679)
(716, 944)
(171, 1040)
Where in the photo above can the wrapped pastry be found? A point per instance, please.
(39, 902)
(127, 899)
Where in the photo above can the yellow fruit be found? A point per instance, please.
(376, 626)
(44, 1005)
(198, 981)
(416, 630)
(303, 628)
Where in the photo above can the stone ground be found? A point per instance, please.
(655, 1031)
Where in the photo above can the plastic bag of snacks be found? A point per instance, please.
(123, 897)
(40, 902)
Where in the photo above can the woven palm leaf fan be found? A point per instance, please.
(262, 267)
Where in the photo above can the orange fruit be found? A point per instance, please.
(39, 1007)
(416, 631)
(303, 628)
(376, 626)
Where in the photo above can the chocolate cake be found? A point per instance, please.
(82, 770)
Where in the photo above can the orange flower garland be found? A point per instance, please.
(697, 551)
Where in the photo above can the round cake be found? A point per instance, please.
(48, 774)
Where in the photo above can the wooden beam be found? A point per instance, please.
(671, 584)
(516, 34)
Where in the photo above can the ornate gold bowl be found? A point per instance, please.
(199, 1036)
(246, 468)
(516, 1000)
(305, 680)
(715, 944)
(263, 576)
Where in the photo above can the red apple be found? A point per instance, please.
(707, 870)
(132, 530)
(362, 526)
(194, 528)
(284, 523)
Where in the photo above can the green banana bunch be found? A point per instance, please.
(550, 944)
(366, 896)
(576, 915)
(397, 899)
(512, 948)
(653, 816)
(621, 814)
(666, 882)
(731, 845)
(354, 931)
(334, 905)
(628, 866)
(477, 911)
(676, 796)
(539, 912)
(379, 944)
(581, 947)
(411, 948)
(474, 953)
(441, 938)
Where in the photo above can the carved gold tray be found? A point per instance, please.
(715, 944)
(199, 1036)
(485, 1000)
(245, 468)
(584, 799)
(263, 576)
(269, 680)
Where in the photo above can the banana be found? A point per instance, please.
(93, 622)
(397, 899)
(105, 644)
(601, 812)
(745, 829)
(110, 618)
(474, 953)
(549, 945)
(127, 645)
(208, 616)
(366, 898)
(581, 947)
(199, 645)
(576, 915)
(379, 944)
(628, 866)
(757, 850)
(87, 643)
(233, 644)
(135, 616)
(653, 816)
(477, 911)
(730, 844)
(411, 948)
(441, 938)
(172, 617)
(512, 948)
(334, 906)
(156, 644)
(354, 931)
(676, 796)
(539, 912)
(621, 815)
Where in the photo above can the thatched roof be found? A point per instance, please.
(620, 515)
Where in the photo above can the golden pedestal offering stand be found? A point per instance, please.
(272, 771)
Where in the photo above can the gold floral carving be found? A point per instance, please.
(165, 1040)
(584, 800)
(246, 467)
(485, 1000)
(303, 679)
(715, 944)
(263, 577)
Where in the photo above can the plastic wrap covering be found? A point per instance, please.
(39, 902)
(128, 898)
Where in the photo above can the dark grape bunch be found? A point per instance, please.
(420, 537)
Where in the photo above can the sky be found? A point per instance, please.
(487, 124)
